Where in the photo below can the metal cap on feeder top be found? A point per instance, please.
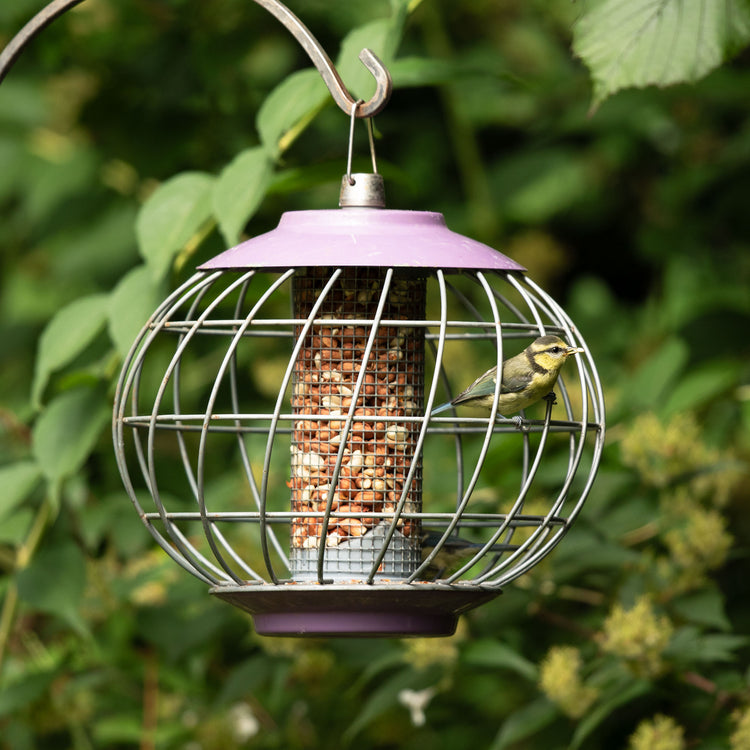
(360, 233)
(362, 190)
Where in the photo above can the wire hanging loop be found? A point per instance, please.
(301, 33)
(350, 150)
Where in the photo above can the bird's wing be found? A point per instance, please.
(515, 382)
(482, 386)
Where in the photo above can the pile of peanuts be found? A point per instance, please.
(378, 448)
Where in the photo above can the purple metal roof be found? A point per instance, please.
(362, 237)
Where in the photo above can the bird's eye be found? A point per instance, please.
(556, 350)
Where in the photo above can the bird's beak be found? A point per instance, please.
(575, 350)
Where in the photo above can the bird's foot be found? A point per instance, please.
(551, 398)
(519, 422)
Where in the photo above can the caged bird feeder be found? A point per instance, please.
(361, 317)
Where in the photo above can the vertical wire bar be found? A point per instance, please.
(346, 430)
(510, 279)
(198, 290)
(553, 311)
(591, 380)
(129, 383)
(417, 452)
(518, 505)
(544, 545)
(528, 476)
(189, 473)
(275, 418)
(455, 520)
(431, 399)
(246, 463)
(208, 527)
(179, 351)
(458, 442)
(472, 309)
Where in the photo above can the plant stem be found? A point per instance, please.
(23, 557)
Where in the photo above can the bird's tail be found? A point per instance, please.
(443, 407)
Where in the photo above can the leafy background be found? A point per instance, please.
(604, 145)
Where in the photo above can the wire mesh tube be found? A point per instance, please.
(359, 374)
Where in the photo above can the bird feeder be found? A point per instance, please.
(366, 319)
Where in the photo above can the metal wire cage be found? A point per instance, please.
(345, 498)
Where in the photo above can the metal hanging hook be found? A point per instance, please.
(301, 33)
(43, 18)
(325, 67)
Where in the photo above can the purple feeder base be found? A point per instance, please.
(360, 610)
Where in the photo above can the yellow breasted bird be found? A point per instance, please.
(528, 377)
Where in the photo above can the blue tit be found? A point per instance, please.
(527, 378)
(453, 551)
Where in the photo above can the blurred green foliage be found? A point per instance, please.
(126, 141)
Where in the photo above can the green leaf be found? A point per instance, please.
(407, 6)
(172, 218)
(653, 380)
(239, 190)
(626, 517)
(585, 551)
(243, 678)
(289, 108)
(77, 249)
(689, 646)
(125, 729)
(67, 430)
(657, 42)
(492, 653)
(16, 483)
(702, 384)
(526, 721)
(21, 102)
(131, 303)
(721, 647)
(178, 628)
(385, 697)
(605, 706)
(24, 691)
(54, 582)
(69, 332)
(378, 664)
(535, 186)
(427, 71)
(704, 607)
(14, 529)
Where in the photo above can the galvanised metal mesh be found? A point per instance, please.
(353, 457)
